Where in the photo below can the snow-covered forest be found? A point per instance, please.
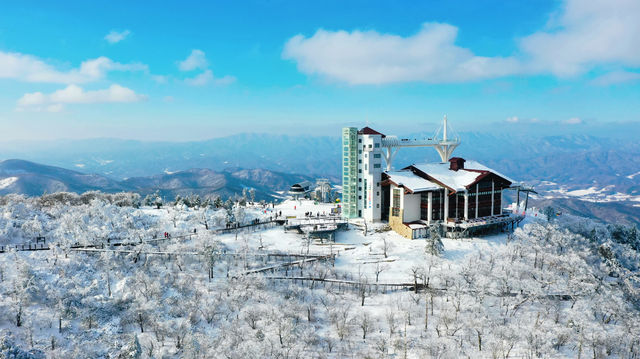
(137, 278)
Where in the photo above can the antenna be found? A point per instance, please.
(447, 144)
(444, 127)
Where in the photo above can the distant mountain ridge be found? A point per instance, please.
(552, 163)
(33, 179)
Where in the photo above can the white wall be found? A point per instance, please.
(371, 171)
(411, 207)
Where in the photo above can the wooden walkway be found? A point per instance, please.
(119, 242)
(412, 287)
(272, 268)
(249, 225)
(108, 242)
(369, 286)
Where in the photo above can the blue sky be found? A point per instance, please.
(186, 70)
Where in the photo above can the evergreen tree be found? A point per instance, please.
(178, 200)
(434, 244)
(157, 200)
(252, 195)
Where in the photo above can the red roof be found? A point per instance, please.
(369, 131)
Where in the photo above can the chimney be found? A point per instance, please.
(456, 163)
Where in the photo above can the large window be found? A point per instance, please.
(395, 207)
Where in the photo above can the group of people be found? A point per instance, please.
(310, 214)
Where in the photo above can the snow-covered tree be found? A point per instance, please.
(434, 245)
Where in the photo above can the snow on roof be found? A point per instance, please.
(474, 165)
(412, 181)
(458, 180)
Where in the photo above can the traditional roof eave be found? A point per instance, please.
(370, 131)
(407, 190)
(429, 178)
(482, 175)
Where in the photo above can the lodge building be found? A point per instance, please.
(461, 197)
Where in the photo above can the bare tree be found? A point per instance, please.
(416, 273)
(365, 323)
(379, 269)
(391, 322)
(362, 289)
(385, 246)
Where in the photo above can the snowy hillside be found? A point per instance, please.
(33, 179)
(564, 288)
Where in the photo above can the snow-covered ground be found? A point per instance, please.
(360, 255)
(541, 292)
(592, 194)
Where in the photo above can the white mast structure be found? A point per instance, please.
(444, 145)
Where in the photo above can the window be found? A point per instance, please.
(377, 145)
(370, 146)
(376, 165)
(378, 184)
(395, 206)
(359, 140)
(359, 197)
(359, 188)
(359, 161)
(366, 155)
(359, 171)
(366, 167)
(376, 155)
(359, 179)
(378, 193)
(378, 205)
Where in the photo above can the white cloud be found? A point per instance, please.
(161, 79)
(30, 99)
(28, 68)
(196, 60)
(74, 94)
(115, 36)
(55, 107)
(587, 33)
(207, 77)
(616, 77)
(513, 119)
(582, 35)
(372, 58)
(225, 80)
(573, 121)
(201, 79)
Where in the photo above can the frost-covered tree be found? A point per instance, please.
(549, 213)
(252, 195)
(434, 245)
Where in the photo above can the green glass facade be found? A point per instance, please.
(349, 172)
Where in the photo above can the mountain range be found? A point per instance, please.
(566, 170)
(24, 177)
